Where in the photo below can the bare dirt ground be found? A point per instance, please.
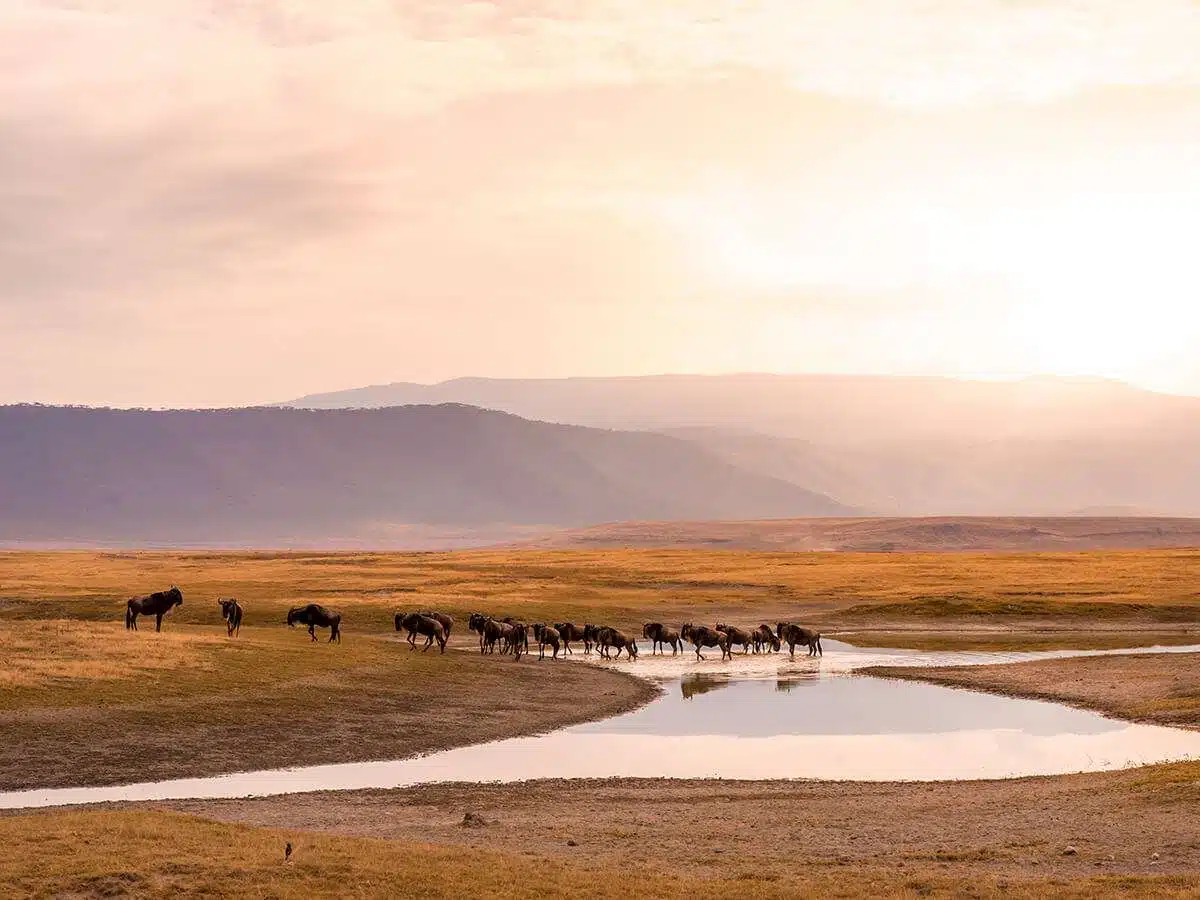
(1161, 689)
(1140, 822)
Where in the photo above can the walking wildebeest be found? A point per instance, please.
(700, 636)
(476, 623)
(737, 636)
(493, 632)
(765, 637)
(157, 604)
(519, 641)
(569, 631)
(447, 622)
(607, 638)
(546, 635)
(231, 612)
(314, 617)
(793, 634)
(589, 637)
(659, 634)
(429, 628)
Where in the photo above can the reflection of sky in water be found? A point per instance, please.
(839, 705)
(757, 717)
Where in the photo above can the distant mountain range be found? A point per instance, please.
(270, 476)
(901, 446)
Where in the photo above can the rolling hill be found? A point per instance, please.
(266, 476)
(898, 446)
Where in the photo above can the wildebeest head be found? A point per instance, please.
(538, 630)
(779, 626)
(226, 607)
(293, 614)
(399, 621)
(685, 631)
(476, 621)
(175, 595)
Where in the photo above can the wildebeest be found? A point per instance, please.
(607, 638)
(736, 636)
(492, 632)
(314, 617)
(447, 622)
(476, 623)
(429, 628)
(700, 636)
(764, 637)
(589, 637)
(546, 635)
(157, 604)
(518, 640)
(794, 634)
(231, 612)
(569, 631)
(659, 634)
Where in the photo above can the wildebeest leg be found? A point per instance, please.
(698, 656)
(158, 621)
(312, 632)
(428, 643)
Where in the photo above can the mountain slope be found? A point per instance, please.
(258, 474)
(830, 408)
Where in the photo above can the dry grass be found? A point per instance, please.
(154, 854)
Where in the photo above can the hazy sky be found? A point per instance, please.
(231, 201)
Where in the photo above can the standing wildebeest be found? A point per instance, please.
(545, 635)
(429, 628)
(794, 634)
(518, 641)
(700, 636)
(764, 637)
(315, 616)
(659, 634)
(476, 623)
(568, 631)
(736, 636)
(157, 605)
(492, 632)
(231, 612)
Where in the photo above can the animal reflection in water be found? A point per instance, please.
(784, 685)
(701, 684)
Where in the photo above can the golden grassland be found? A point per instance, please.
(157, 854)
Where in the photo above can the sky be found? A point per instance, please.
(225, 202)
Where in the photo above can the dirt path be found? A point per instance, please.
(1161, 689)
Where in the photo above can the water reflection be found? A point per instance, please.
(693, 685)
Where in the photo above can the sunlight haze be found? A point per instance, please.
(222, 204)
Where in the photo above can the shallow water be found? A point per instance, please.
(760, 717)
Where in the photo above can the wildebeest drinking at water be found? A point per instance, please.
(157, 604)
(231, 612)
(315, 616)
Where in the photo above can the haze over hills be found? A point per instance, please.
(889, 445)
(934, 534)
(264, 476)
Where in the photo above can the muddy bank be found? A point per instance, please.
(1157, 689)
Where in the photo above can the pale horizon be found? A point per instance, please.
(209, 206)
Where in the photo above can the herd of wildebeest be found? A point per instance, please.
(512, 637)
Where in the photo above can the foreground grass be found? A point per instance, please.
(155, 854)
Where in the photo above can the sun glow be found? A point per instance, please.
(1105, 286)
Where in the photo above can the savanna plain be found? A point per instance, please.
(85, 702)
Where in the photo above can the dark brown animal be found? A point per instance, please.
(570, 632)
(476, 623)
(794, 634)
(764, 637)
(607, 638)
(519, 641)
(589, 637)
(447, 622)
(546, 635)
(495, 632)
(315, 617)
(430, 629)
(157, 604)
(737, 637)
(659, 635)
(231, 612)
(700, 636)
